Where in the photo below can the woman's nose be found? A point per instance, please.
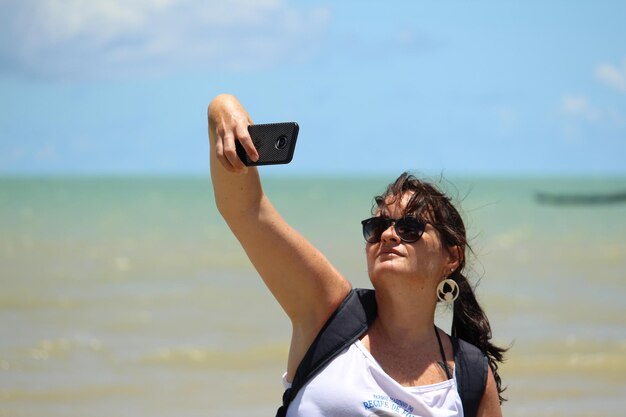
(389, 235)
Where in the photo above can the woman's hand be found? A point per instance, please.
(228, 123)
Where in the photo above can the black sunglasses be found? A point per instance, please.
(409, 228)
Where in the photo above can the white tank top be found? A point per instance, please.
(354, 384)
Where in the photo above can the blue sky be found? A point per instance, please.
(480, 87)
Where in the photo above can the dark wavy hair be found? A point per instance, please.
(469, 321)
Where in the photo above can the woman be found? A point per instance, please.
(402, 364)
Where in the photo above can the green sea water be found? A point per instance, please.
(128, 296)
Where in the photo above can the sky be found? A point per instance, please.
(477, 88)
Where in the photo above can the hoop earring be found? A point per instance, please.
(448, 291)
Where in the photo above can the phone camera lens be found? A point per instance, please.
(281, 142)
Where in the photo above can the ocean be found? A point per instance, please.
(128, 296)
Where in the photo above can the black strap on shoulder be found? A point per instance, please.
(471, 367)
(344, 327)
(351, 319)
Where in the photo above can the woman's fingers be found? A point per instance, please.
(229, 122)
(246, 141)
(231, 159)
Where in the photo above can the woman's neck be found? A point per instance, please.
(405, 317)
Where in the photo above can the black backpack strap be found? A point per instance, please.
(351, 319)
(471, 367)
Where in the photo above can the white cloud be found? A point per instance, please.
(47, 153)
(612, 76)
(71, 39)
(579, 107)
(578, 112)
(15, 155)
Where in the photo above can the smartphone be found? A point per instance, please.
(275, 143)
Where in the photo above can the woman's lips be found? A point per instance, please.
(389, 251)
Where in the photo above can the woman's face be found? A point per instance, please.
(392, 261)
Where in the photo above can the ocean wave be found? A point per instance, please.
(56, 347)
(69, 395)
(572, 357)
(253, 357)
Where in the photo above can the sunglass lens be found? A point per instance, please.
(410, 229)
(373, 228)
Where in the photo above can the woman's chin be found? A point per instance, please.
(387, 270)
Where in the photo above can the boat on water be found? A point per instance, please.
(570, 199)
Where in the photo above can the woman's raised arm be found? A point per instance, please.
(301, 279)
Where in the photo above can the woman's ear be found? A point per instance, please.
(455, 257)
